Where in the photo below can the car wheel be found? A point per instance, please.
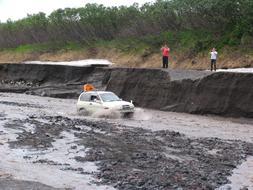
(83, 111)
(128, 115)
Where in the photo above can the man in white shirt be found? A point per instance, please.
(214, 54)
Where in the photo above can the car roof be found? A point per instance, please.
(96, 92)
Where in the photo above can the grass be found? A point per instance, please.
(127, 45)
(45, 47)
(193, 42)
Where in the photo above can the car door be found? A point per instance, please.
(95, 104)
(84, 102)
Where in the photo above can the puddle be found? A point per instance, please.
(242, 177)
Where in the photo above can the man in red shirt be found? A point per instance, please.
(165, 51)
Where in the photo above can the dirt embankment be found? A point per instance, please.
(171, 90)
(146, 59)
(119, 58)
(200, 93)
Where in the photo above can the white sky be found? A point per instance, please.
(17, 9)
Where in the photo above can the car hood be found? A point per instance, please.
(117, 104)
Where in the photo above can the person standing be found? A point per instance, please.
(214, 54)
(165, 51)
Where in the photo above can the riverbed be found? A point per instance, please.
(44, 143)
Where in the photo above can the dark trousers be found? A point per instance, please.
(213, 64)
(165, 61)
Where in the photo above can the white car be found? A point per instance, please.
(93, 102)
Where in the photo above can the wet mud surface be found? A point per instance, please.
(20, 104)
(48, 146)
(22, 185)
(130, 158)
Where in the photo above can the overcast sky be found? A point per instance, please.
(16, 9)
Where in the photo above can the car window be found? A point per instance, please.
(85, 97)
(109, 97)
(93, 98)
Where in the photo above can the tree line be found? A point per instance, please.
(95, 22)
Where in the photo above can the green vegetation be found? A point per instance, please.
(186, 25)
(44, 47)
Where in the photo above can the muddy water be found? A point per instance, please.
(24, 163)
(191, 125)
(242, 176)
(55, 166)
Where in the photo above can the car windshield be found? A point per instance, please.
(109, 97)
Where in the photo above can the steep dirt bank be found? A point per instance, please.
(219, 93)
(148, 59)
(171, 90)
(46, 80)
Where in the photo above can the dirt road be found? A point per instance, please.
(44, 145)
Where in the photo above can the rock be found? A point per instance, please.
(225, 187)
(244, 188)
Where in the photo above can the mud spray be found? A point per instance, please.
(139, 115)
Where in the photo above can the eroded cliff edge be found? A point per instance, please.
(197, 92)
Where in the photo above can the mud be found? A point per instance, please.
(137, 158)
(130, 158)
(20, 104)
(18, 185)
(49, 146)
